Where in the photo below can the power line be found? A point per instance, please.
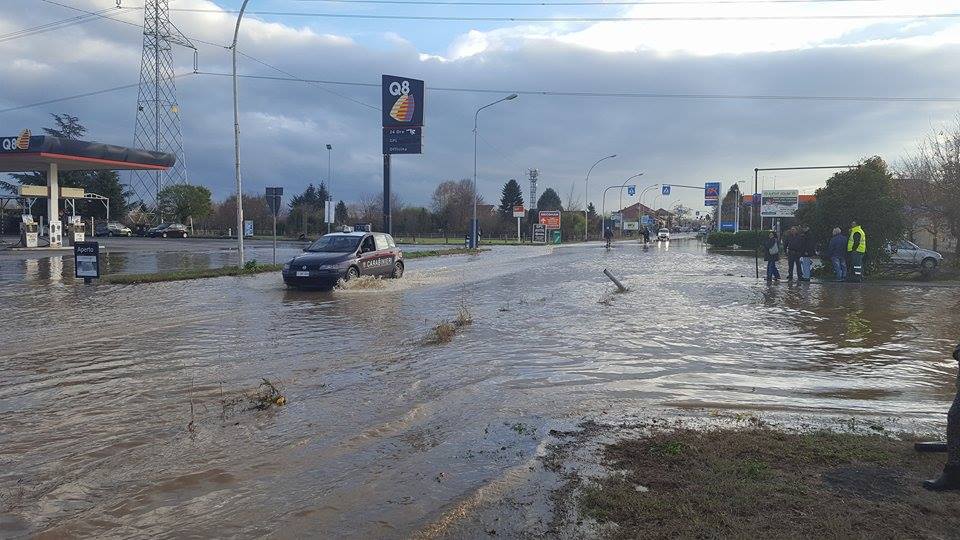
(51, 26)
(318, 84)
(633, 95)
(78, 96)
(128, 23)
(575, 19)
(581, 3)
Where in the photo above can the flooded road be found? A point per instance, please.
(385, 436)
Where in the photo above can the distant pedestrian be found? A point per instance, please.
(794, 245)
(837, 253)
(646, 235)
(771, 254)
(856, 247)
(807, 252)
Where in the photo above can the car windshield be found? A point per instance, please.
(335, 244)
(664, 230)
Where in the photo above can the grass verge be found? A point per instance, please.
(760, 483)
(193, 273)
(442, 252)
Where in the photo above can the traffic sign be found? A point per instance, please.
(665, 190)
(631, 190)
(550, 219)
(274, 198)
(539, 233)
(518, 211)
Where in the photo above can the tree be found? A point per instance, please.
(452, 203)
(511, 195)
(184, 201)
(255, 208)
(591, 211)
(867, 195)
(935, 168)
(340, 214)
(549, 200)
(573, 200)
(571, 225)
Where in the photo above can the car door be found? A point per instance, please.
(384, 254)
(906, 253)
(368, 257)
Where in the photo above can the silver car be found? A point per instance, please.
(906, 253)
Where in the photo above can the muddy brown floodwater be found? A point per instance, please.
(384, 436)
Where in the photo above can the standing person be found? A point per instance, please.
(771, 254)
(794, 245)
(646, 235)
(808, 250)
(950, 479)
(608, 236)
(856, 246)
(837, 252)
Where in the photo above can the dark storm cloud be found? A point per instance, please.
(285, 125)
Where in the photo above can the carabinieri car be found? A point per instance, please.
(344, 256)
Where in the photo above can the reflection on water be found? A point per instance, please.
(383, 433)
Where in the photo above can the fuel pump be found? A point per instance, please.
(28, 231)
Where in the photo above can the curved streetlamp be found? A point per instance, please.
(473, 225)
(236, 136)
(586, 196)
(604, 201)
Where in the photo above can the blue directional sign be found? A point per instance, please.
(631, 190)
(665, 190)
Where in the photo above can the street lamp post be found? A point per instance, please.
(329, 181)
(603, 211)
(236, 136)
(473, 224)
(586, 196)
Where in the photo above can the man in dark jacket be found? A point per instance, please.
(950, 479)
(794, 245)
(808, 250)
(837, 251)
(771, 254)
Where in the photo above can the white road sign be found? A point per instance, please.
(779, 202)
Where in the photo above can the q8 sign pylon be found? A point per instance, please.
(158, 112)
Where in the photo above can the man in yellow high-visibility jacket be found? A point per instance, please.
(856, 247)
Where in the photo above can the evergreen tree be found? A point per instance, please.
(340, 213)
(549, 200)
(511, 195)
(591, 211)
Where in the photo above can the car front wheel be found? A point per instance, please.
(929, 263)
(352, 273)
(397, 270)
(164, 235)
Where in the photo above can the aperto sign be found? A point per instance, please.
(86, 260)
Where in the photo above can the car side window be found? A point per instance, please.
(907, 246)
(367, 245)
(390, 241)
(381, 240)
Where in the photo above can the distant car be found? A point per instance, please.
(906, 253)
(663, 235)
(112, 228)
(167, 230)
(344, 256)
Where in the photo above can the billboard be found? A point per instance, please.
(631, 225)
(550, 219)
(779, 202)
(711, 193)
(402, 101)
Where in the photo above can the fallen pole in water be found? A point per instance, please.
(615, 280)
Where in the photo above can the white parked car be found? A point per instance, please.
(663, 235)
(906, 253)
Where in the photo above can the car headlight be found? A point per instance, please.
(286, 266)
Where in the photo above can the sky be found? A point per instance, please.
(673, 134)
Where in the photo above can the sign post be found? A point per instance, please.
(402, 100)
(274, 198)
(86, 260)
(518, 213)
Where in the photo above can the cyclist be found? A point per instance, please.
(608, 236)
